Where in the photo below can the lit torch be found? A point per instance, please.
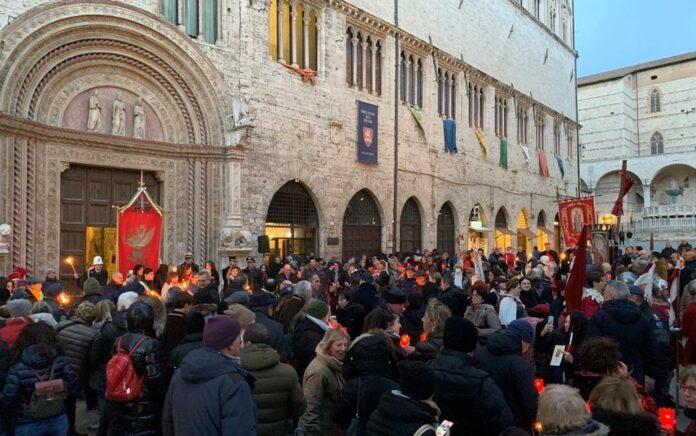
(63, 299)
(69, 261)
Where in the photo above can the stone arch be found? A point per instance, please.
(362, 225)
(673, 184)
(606, 191)
(503, 234)
(478, 227)
(524, 234)
(542, 230)
(57, 52)
(292, 221)
(411, 225)
(446, 227)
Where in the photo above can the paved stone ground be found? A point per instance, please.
(85, 418)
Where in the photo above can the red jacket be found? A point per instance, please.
(589, 307)
(12, 328)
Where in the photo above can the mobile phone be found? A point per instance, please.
(443, 428)
(549, 320)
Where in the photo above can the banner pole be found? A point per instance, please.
(622, 176)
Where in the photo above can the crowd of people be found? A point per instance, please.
(404, 344)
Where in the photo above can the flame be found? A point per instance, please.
(667, 418)
(423, 337)
(539, 384)
(405, 340)
(63, 298)
(69, 260)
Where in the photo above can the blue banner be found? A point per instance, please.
(367, 132)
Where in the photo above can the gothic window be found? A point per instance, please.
(522, 125)
(293, 34)
(655, 101)
(445, 93)
(537, 8)
(199, 17)
(476, 105)
(411, 79)
(564, 31)
(540, 127)
(501, 117)
(570, 143)
(556, 139)
(552, 21)
(657, 145)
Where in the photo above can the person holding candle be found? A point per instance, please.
(96, 270)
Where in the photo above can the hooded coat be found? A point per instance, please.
(623, 321)
(305, 339)
(75, 337)
(399, 415)
(502, 360)
(277, 390)
(322, 386)
(191, 342)
(468, 396)
(209, 395)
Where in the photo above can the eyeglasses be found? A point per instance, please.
(688, 389)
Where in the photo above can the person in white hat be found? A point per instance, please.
(97, 271)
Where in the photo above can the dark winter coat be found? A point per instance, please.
(623, 321)
(305, 339)
(352, 317)
(4, 361)
(19, 384)
(457, 301)
(102, 344)
(56, 311)
(468, 396)
(624, 424)
(111, 291)
(191, 342)
(277, 392)
(502, 360)
(209, 395)
(75, 337)
(141, 416)
(366, 296)
(174, 332)
(370, 370)
(399, 415)
(275, 329)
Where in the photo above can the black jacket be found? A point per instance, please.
(141, 416)
(457, 301)
(275, 329)
(209, 395)
(111, 291)
(191, 342)
(19, 384)
(502, 360)
(623, 424)
(468, 396)
(623, 321)
(351, 317)
(305, 339)
(399, 415)
(367, 296)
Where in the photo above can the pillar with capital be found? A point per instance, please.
(646, 192)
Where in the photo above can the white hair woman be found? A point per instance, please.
(562, 411)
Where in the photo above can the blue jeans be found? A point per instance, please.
(56, 426)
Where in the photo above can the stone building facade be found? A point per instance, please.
(645, 115)
(242, 116)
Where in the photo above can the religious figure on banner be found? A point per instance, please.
(94, 115)
(139, 241)
(577, 220)
(118, 116)
(139, 119)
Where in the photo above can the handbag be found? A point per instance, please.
(48, 398)
(354, 427)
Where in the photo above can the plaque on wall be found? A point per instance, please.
(331, 241)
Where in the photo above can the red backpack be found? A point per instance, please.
(122, 382)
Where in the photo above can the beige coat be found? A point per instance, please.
(322, 387)
(484, 318)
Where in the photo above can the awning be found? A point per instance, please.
(544, 230)
(481, 229)
(527, 233)
(504, 231)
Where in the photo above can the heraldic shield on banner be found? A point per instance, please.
(139, 230)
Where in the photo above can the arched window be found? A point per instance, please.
(293, 33)
(655, 103)
(657, 145)
(410, 226)
(292, 221)
(362, 226)
(445, 229)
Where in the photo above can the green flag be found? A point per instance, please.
(418, 116)
(503, 153)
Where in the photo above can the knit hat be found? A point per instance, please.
(416, 379)
(523, 329)
(395, 296)
(241, 314)
(220, 332)
(125, 300)
(91, 286)
(17, 308)
(317, 308)
(238, 297)
(459, 335)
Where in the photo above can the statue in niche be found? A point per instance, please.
(139, 119)
(118, 116)
(94, 115)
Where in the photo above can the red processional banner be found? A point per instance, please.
(139, 229)
(574, 214)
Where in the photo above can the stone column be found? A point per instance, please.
(407, 88)
(373, 72)
(293, 34)
(646, 193)
(354, 41)
(305, 36)
(201, 21)
(280, 28)
(364, 65)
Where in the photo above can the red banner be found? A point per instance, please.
(139, 233)
(574, 214)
